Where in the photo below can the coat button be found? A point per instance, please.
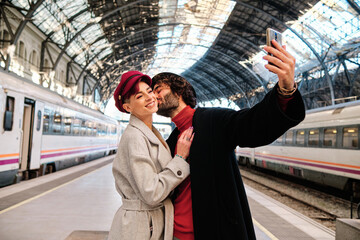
(179, 173)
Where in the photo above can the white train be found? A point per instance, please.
(324, 149)
(42, 132)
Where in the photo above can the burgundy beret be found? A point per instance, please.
(128, 80)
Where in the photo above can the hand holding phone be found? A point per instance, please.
(285, 62)
(270, 35)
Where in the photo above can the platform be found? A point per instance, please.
(277, 221)
(79, 203)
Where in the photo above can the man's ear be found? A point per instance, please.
(127, 107)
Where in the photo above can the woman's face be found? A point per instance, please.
(143, 102)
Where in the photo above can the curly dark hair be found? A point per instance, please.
(178, 85)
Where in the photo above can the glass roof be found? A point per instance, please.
(185, 34)
(184, 31)
(328, 26)
(176, 34)
(188, 28)
(62, 20)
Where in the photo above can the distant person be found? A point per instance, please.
(212, 203)
(144, 171)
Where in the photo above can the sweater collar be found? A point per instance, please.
(183, 120)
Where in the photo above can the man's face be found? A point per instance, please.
(167, 100)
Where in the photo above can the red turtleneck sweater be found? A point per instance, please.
(183, 219)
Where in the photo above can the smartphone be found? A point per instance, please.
(270, 35)
(273, 34)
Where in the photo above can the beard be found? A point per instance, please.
(168, 105)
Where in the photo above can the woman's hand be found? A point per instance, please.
(184, 143)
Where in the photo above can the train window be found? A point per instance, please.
(56, 124)
(98, 128)
(313, 137)
(300, 137)
(350, 137)
(38, 120)
(83, 128)
(89, 126)
(46, 121)
(289, 137)
(113, 130)
(94, 129)
(9, 113)
(329, 137)
(102, 130)
(67, 127)
(76, 126)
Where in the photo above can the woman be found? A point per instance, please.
(144, 171)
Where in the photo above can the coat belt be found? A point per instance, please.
(137, 205)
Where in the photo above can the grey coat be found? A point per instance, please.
(145, 174)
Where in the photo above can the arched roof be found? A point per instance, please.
(215, 44)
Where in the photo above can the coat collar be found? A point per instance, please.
(150, 134)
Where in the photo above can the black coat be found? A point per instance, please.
(219, 202)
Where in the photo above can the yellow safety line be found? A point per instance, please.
(49, 191)
(264, 230)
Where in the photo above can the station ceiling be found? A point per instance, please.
(214, 44)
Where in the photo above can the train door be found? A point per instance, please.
(31, 138)
(36, 136)
(26, 135)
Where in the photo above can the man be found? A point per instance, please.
(212, 203)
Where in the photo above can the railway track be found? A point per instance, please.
(319, 206)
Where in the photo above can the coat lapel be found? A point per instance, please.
(164, 155)
(137, 123)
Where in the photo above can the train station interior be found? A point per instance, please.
(74, 52)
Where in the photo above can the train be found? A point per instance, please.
(43, 132)
(322, 149)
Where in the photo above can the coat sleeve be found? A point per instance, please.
(259, 125)
(153, 187)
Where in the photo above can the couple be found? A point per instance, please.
(209, 200)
